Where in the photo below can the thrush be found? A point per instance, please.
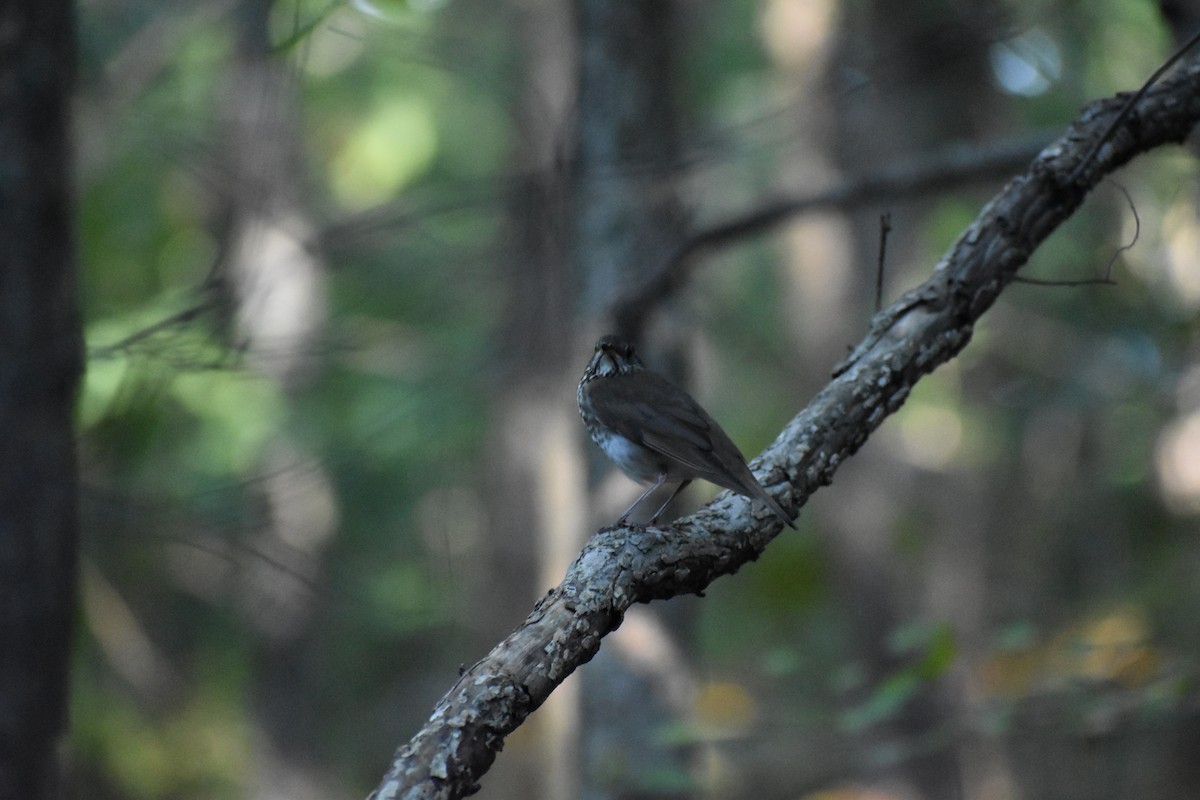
(656, 432)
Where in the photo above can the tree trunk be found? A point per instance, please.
(40, 358)
(628, 217)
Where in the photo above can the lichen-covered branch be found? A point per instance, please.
(923, 329)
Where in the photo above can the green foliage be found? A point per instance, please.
(931, 651)
(410, 151)
(180, 431)
(202, 748)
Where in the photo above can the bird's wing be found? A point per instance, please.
(678, 428)
(683, 431)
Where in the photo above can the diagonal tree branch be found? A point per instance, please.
(926, 327)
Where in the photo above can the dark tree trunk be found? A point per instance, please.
(39, 372)
(628, 216)
(627, 162)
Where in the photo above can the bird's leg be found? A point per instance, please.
(674, 494)
(644, 495)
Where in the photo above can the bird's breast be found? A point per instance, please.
(637, 461)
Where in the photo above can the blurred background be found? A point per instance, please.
(344, 262)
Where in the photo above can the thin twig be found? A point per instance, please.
(1137, 231)
(1128, 107)
(1107, 280)
(179, 318)
(952, 167)
(885, 228)
(1064, 283)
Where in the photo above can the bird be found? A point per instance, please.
(656, 432)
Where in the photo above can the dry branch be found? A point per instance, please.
(923, 329)
(951, 167)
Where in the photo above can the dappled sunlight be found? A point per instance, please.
(204, 747)
(930, 431)
(1115, 647)
(282, 310)
(1177, 461)
(390, 148)
(797, 33)
(335, 43)
(930, 436)
(1181, 233)
(723, 709)
(239, 412)
(1026, 64)
(820, 282)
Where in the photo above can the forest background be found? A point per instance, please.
(342, 265)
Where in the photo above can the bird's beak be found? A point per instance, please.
(603, 362)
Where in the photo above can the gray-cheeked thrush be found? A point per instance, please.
(656, 432)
